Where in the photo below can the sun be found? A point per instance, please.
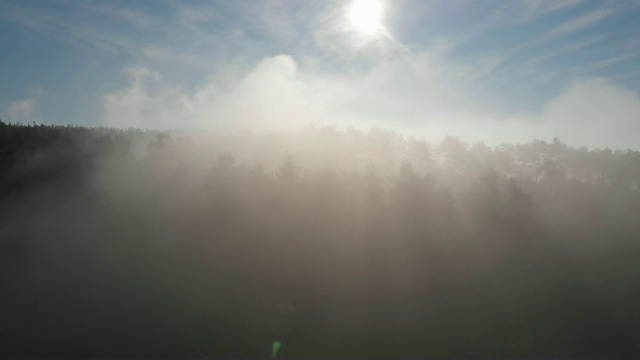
(365, 16)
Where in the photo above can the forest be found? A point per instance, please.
(334, 242)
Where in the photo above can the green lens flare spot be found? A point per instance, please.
(274, 348)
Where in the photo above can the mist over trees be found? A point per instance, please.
(142, 243)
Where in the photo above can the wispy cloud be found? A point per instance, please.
(68, 27)
(568, 49)
(519, 13)
(22, 111)
(603, 64)
(488, 65)
(577, 24)
(136, 18)
(580, 23)
(535, 9)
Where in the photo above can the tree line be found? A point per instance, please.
(128, 242)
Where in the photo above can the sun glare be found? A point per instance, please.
(365, 16)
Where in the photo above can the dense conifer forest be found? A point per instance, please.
(335, 242)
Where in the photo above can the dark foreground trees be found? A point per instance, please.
(138, 243)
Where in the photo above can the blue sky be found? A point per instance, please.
(483, 70)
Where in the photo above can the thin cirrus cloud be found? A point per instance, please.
(580, 23)
(573, 25)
